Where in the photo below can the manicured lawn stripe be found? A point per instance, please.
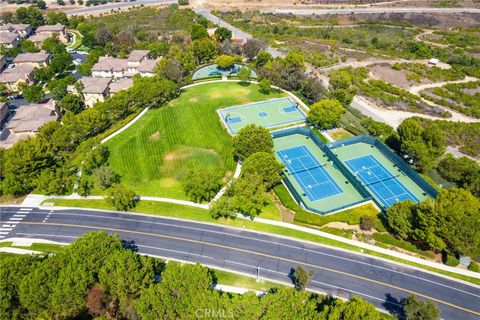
(155, 153)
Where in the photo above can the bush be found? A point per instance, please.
(265, 87)
(474, 267)
(367, 223)
(202, 185)
(450, 259)
(120, 198)
(225, 61)
(183, 2)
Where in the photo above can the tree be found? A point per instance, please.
(326, 113)
(33, 93)
(44, 74)
(28, 46)
(424, 143)
(357, 308)
(251, 139)
(41, 4)
(377, 129)
(252, 48)
(245, 195)
(367, 223)
(54, 17)
(302, 278)
(30, 15)
(244, 74)
(202, 185)
(414, 309)
(262, 58)
(170, 68)
(222, 34)
(183, 2)
(399, 218)
(125, 273)
(204, 49)
(225, 61)
(71, 102)
(105, 177)
(198, 31)
(265, 166)
(265, 86)
(463, 171)
(120, 198)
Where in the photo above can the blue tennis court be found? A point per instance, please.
(314, 180)
(383, 184)
(267, 114)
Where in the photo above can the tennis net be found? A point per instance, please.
(382, 180)
(306, 168)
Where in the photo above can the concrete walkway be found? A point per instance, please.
(365, 246)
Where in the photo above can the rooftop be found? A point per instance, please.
(19, 72)
(38, 57)
(95, 85)
(51, 28)
(137, 55)
(120, 85)
(110, 64)
(39, 37)
(29, 118)
(8, 37)
(148, 65)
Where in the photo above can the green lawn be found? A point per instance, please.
(237, 280)
(154, 154)
(340, 134)
(78, 39)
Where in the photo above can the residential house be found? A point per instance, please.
(39, 59)
(108, 67)
(23, 30)
(26, 122)
(38, 39)
(13, 77)
(119, 85)
(147, 67)
(58, 29)
(94, 89)
(3, 63)
(9, 39)
(136, 63)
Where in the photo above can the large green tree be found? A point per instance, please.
(326, 113)
(202, 185)
(251, 139)
(415, 309)
(265, 166)
(424, 143)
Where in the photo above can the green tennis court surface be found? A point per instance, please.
(312, 176)
(382, 178)
(267, 114)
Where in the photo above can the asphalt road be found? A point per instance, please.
(337, 272)
(116, 5)
(370, 10)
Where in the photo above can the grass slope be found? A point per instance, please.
(154, 154)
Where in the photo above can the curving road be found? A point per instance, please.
(337, 272)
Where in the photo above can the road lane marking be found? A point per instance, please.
(368, 264)
(264, 255)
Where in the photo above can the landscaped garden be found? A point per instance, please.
(154, 154)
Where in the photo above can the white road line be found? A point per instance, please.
(4, 233)
(20, 215)
(11, 222)
(26, 209)
(6, 229)
(15, 219)
(275, 243)
(8, 225)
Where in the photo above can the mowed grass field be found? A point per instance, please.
(155, 153)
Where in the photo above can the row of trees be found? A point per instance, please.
(450, 223)
(97, 277)
(260, 173)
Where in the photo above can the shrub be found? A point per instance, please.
(474, 267)
(450, 259)
(202, 185)
(120, 198)
(367, 223)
